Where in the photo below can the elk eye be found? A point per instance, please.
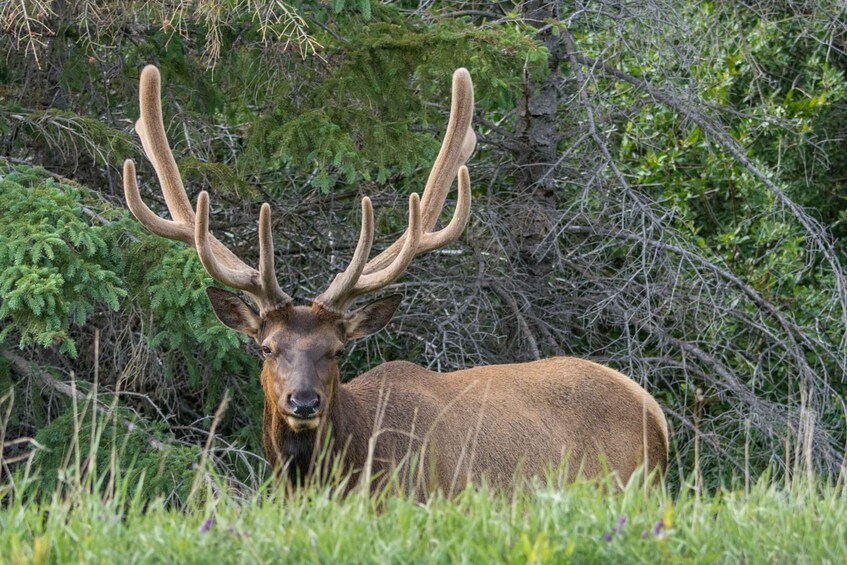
(266, 351)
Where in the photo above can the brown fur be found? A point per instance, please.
(503, 422)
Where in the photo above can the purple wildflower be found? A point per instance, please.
(660, 525)
(621, 523)
(207, 525)
(644, 534)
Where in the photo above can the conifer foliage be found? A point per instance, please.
(57, 268)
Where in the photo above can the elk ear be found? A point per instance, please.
(371, 317)
(234, 312)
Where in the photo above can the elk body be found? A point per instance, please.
(501, 422)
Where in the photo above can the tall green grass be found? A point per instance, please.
(806, 523)
(93, 508)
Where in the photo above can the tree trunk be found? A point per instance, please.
(537, 129)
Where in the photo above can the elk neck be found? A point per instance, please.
(343, 434)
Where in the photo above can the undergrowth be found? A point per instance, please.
(120, 510)
(539, 524)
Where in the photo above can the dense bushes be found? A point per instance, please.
(82, 448)
(71, 263)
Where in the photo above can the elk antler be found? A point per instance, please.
(221, 263)
(363, 276)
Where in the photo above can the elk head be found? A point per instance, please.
(301, 344)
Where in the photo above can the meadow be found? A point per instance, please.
(123, 509)
(541, 523)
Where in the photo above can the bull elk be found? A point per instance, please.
(503, 422)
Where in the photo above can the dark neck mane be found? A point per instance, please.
(298, 454)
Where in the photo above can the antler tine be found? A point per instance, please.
(343, 283)
(221, 263)
(236, 276)
(151, 129)
(160, 226)
(225, 267)
(351, 283)
(459, 142)
(267, 273)
(374, 281)
(458, 222)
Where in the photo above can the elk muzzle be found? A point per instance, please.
(302, 409)
(304, 404)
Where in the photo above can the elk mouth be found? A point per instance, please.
(299, 424)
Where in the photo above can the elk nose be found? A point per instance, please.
(304, 404)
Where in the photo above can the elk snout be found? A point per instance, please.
(304, 404)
